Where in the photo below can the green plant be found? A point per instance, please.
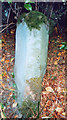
(27, 5)
(64, 46)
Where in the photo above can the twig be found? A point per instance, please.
(36, 5)
(61, 14)
(8, 15)
(51, 10)
(3, 25)
(6, 27)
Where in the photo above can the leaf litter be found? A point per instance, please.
(52, 102)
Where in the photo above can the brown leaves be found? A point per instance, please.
(3, 59)
(3, 85)
(59, 54)
(55, 63)
(58, 109)
(49, 89)
(7, 61)
(54, 82)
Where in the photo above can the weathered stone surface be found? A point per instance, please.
(30, 62)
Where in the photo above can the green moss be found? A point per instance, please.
(33, 19)
(29, 108)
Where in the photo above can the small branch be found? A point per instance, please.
(62, 13)
(36, 5)
(51, 10)
(3, 25)
(8, 15)
(6, 27)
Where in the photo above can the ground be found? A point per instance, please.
(52, 102)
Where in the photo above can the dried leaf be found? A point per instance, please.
(59, 54)
(58, 58)
(49, 89)
(59, 89)
(14, 104)
(55, 63)
(11, 94)
(3, 115)
(58, 109)
(3, 59)
(6, 61)
(63, 113)
(8, 69)
(11, 89)
(44, 92)
(12, 59)
(16, 116)
(0, 76)
(3, 85)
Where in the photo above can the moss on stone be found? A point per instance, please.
(35, 86)
(28, 108)
(33, 19)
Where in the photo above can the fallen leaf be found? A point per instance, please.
(59, 89)
(8, 69)
(44, 92)
(3, 85)
(49, 89)
(58, 58)
(0, 76)
(63, 113)
(6, 61)
(3, 59)
(14, 104)
(58, 109)
(7, 76)
(11, 89)
(0, 46)
(59, 54)
(3, 114)
(12, 59)
(1, 92)
(55, 63)
(16, 116)
(11, 94)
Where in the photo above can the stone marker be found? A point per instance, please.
(30, 64)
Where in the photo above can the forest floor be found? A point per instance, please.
(53, 93)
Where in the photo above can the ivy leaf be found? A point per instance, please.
(2, 106)
(28, 1)
(64, 43)
(14, 85)
(65, 48)
(13, 75)
(14, 97)
(62, 47)
(28, 6)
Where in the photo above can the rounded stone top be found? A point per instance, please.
(33, 19)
